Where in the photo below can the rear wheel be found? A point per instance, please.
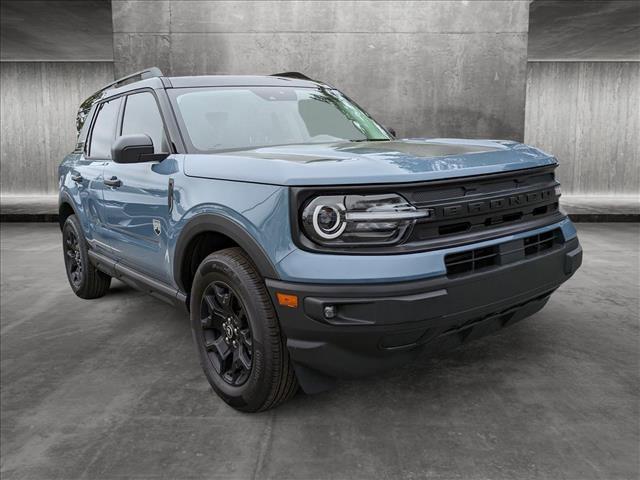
(236, 331)
(86, 281)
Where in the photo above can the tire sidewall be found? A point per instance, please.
(254, 391)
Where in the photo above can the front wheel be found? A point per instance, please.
(236, 331)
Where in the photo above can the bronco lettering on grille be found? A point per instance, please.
(481, 206)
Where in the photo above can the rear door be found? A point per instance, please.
(136, 197)
(88, 171)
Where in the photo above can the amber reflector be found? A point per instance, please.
(287, 300)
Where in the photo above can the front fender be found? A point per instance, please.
(255, 216)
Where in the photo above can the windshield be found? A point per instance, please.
(225, 118)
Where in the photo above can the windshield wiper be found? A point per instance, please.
(372, 140)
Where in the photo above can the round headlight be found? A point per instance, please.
(328, 221)
(352, 220)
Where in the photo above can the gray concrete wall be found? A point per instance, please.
(39, 101)
(444, 68)
(56, 30)
(588, 115)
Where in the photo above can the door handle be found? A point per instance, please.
(77, 178)
(112, 182)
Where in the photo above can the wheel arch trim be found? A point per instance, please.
(216, 223)
(66, 199)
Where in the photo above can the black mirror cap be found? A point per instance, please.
(391, 131)
(135, 148)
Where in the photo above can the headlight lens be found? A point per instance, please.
(351, 220)
(328, 220)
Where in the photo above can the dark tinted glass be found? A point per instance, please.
(141, 115)
(104, 130)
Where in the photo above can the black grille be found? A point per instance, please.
(473, 207)
(540, 242)
(471, 261)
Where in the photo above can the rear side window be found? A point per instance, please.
(141, 115)
(104, 129)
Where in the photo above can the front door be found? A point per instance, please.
(136, 195)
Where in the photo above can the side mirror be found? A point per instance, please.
(135, 148)
(391, 131)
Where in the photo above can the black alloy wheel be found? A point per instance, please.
(227, 333)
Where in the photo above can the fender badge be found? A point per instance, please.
(156, 226)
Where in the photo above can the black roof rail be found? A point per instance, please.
(298, 75)
(143, 74)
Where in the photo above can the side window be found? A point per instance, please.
(141, 115)
(104, 129)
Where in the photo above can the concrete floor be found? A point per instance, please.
(111, 388)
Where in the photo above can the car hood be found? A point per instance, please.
(408, 160)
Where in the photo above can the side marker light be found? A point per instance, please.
(287, 300)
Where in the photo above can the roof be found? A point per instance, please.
(211, 81)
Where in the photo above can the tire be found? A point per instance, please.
(86, 281)
(229, 303)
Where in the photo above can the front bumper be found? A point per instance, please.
(381, 326)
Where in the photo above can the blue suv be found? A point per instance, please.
(305, 240)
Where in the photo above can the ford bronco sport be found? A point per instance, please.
(307, 243)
